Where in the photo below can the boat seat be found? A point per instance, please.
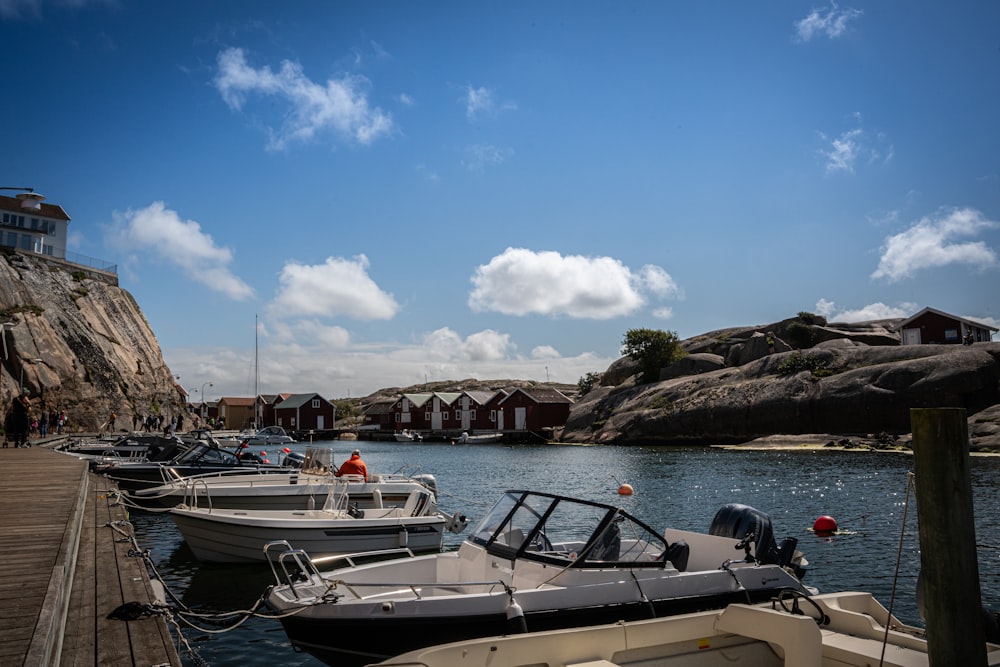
(515, 537)
(677, 554)
(416, 503)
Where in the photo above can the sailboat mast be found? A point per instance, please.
(256, 374)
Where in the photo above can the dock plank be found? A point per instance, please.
(66, 570)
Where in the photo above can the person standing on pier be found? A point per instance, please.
(19, 419)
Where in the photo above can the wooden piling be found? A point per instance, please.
(948, 561)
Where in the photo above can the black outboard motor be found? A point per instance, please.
(743, 522)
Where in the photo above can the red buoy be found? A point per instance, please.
(286, 450)
(825, 524)
(625, 490)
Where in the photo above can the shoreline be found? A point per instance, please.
(829, 442)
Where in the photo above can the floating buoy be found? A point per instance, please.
(263, 453)
(625, 490)
(825, 524)
(286, 450)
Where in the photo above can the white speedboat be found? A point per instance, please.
(553, 561)
(848, 629)
(299, 489)
(240, 536)
(479, 438)
(407, 435)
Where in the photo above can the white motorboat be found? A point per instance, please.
(299, 489)
(407, 435)
(848, 629)
(269, 436)
(559, 562)
(479, 438)
(239, 536)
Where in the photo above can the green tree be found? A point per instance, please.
(587, 382)
(653, 349)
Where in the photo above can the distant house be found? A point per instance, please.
(265, 408)
(438, 411)
(934, 327)
(305, 412)
(533, 409)
(236, 411)
(408, 412)
(28, 224)
(379, 415)
(471, 412)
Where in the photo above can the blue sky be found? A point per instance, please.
(401, 191)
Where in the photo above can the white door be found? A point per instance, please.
(436, 421)
(520, 419)
(319, 422)
(911, 336)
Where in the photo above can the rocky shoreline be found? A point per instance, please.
(731, 390)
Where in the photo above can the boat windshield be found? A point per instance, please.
(540, 526)
(207, 454)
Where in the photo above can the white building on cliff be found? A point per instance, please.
(29, 225)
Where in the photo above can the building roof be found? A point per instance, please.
(237, 401)
(417, 400)
(541, 395)
(53, 211)
(481, 397)
(448, 397)
(380, 407)
(298, 400)
(964, 320)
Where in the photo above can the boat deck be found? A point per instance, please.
(65, 568)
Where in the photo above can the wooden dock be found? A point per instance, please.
(65, 567)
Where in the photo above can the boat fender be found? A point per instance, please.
(516, 624)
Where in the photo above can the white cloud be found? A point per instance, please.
(161, 235)
(545, 352)
(658, 281)
(336, 287)
(339, 106)
(930, 243)
(406, 100)
(480, 156)
(358, 370)
(482, 101)
(663, 313)
(873, 311)
(444, 344)
(831, 22)
(855, 146)
(522, 282)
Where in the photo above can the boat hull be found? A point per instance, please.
(352, 642)
(229, 537)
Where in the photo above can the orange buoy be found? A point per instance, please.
(286, 450)
(625, 490)
(825, 524)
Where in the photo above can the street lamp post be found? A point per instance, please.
(201, 408)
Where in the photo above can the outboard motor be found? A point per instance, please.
(745, 523)
(740, 521)
(427, 480)
(293, 460)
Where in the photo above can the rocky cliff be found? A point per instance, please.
(852, 380)
(79, 343)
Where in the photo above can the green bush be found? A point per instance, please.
(797, 362)
(653, 349)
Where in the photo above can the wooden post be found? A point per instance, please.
(950, 569)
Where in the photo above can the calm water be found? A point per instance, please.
(681, 488)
